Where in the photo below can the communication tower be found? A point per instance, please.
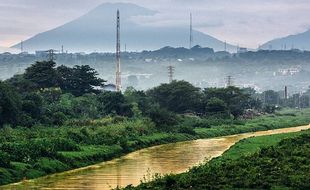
(118, 54)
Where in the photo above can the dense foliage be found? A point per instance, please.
(50, 95)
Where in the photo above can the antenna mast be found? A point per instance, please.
(191, 32)
(118, 54)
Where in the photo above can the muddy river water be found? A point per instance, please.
(130, 169)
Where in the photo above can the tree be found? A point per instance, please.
(140, 98)
(162, 117)
(43, 74)
(21, 84)
(79, 80)
(10, 102)
(234, 98)
(85, 106)
(216, 105)
(177, 96)
(114, 103)
(33, 106)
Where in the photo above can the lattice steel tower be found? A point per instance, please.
(118, 83)
(229, 81)
(170, 73)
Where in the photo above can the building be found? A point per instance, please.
(109, 87)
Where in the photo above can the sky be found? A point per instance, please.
(247, 23)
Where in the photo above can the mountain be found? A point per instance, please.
(299, 41)
(10, 50)
(95, 31)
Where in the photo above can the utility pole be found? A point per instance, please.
(118, 54)
(225, 46)
(170, 73)
(191, 32)
(62, 49)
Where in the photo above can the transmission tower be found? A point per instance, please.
(170, 73)
(191, 32)
(118, 54)
(51, 56)
(229, 81)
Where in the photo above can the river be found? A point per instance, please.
(130, 169)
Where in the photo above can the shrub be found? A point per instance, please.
(62, 144)
(186, 129)
(49, 165)
(162, 117)
(4, 159)
(59, 118)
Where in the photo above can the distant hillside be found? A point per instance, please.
(95, 31)
(299, 41)
(6, 49)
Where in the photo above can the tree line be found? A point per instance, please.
(50, 95)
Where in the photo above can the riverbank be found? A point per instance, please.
(95, 147)
(269, 162)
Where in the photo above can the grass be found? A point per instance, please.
(246, 147)
(283, 119)
(64, 148)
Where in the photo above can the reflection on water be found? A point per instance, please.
(130, 169)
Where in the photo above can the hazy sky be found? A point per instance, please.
(244, 22)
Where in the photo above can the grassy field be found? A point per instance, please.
(34, 152)
(284, 118)
(249, 146)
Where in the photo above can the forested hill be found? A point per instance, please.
(174, 53)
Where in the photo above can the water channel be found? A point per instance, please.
(130, 169)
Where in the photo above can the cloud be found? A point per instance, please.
(246, 22)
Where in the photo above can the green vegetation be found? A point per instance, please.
(41, 150)
(268, 162)
(50, 95)
(252, 145)
(54, 119)
(284, 118)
